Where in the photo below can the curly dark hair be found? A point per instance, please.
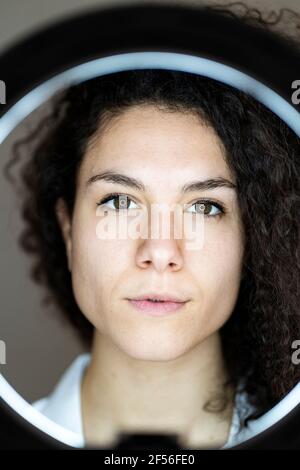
(263, 154)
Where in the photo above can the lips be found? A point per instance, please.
(160, 298)
(157, 305)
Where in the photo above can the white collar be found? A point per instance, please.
(63, 405)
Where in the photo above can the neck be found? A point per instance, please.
(124, 394)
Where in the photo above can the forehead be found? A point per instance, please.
(156, 139)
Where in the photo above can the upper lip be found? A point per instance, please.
(155, 296)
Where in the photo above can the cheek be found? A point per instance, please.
(97, 267)
(217, 269)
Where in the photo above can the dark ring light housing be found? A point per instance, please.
(196, 40)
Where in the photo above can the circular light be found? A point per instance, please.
(150, 59)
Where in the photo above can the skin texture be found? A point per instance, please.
(154, 373)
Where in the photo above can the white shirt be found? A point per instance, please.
(63, 405)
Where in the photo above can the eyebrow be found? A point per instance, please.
(125, 180)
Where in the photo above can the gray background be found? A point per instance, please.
(39, 345)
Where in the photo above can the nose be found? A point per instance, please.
(161, 253)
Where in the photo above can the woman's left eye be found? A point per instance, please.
(208, 208)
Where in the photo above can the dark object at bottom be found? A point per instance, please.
(147, 441)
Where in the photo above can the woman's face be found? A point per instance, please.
(164, 151)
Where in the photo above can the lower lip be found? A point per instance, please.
(156, 308)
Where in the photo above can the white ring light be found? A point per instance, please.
(118, 63)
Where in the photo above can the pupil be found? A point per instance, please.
(122, 202)
(201, 207)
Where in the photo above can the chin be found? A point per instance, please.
(151, 350)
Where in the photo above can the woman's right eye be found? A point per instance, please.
(119, 202)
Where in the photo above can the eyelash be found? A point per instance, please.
(219, 206)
